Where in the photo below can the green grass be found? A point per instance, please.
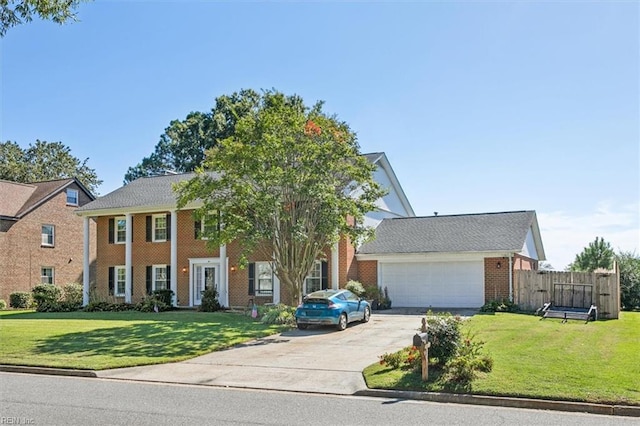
(595, 362)
(101, 340)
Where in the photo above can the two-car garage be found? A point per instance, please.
(458, 284)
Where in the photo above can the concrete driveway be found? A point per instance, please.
(318, 360)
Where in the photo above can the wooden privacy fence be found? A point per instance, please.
(532, 289)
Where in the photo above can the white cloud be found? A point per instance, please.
(564, 235)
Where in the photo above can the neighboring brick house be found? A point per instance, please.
(41, 237)
(144, 243)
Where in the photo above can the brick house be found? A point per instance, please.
(41, 237)
(145, 243)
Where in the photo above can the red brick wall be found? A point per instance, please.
(368, 272)
(23, 256)
(496, 278)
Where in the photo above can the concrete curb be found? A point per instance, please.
(496, 401)
(536, 404)
(47, 370)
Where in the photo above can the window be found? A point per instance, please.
(207, 227)
(264, 283)
(120, 230)
(313, 282)
(120, 277)
(159, 227)
(72, 197)
(160, 277)
(48, 235)
(46, 275)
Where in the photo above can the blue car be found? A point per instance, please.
(332, 307)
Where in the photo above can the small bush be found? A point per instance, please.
(3, 305)
(104, 306)
(503, 305)
(210, 301)
(408, 358)
(165, 296)
(461, 370)
(47, 297)
(152, 304)
(279, 314)
(371, 292)
(20, 299)
(444, 335)
(355, 287)
(72, 293)
(384, 302)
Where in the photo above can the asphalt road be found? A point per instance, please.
(47, 400)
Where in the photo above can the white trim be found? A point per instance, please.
(174, 257)
(223, 286)
(115, 229)
(86, 261)
(201, 261)
(137, 210)
(128, 256)
(153, 228)
(77, 197)
(436, 257)
(115, 281)
(53, 236)
(53, 274)
(153, 276)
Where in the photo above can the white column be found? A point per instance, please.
(335, 267)
(223, 296)
(276, 289)
(86, 264)
(174, 256)
(127, 258)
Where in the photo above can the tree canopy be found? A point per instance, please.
(16, 12)
(44, 161)
(183, 144)
(288, 181)
(598, 254)
(629, 263)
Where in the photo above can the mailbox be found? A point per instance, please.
(420, 339)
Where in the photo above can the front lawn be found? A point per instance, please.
(100, 340)
(594, 362)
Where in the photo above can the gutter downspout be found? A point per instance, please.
(510, 277)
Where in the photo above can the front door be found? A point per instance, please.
(204, 278)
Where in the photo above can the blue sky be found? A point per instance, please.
(480, 106)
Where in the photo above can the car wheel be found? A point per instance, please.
(367, 314)
(302, 326)
(342, 322)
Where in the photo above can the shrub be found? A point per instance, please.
(503, 305)
(72, 293)
(371, 292)
(407, 359)
(104, 306)
(384, 302)
(461, 370)
(355, 287)
(444, 335)
(210, 301)
(20, 299)
(165, 296)
(3, 305)
(47, 297)
(279, 314)
(152, 304)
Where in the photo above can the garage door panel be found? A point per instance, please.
(437, 284)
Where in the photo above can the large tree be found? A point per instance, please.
(182, 145)
(597, 255)
(287, 183)
(44, 161)
(16, 12)
(629, 263)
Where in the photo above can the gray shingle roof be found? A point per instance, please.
(148, 192)
(504, 231)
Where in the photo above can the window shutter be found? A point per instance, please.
(132, 281)
(168, 276)
(169, 227)
(252, 279)
(112, 226)
(111, 282)
(149, 285)
(196, 229)
(324, 275)
(149, 230)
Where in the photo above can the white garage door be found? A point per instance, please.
(435, 284)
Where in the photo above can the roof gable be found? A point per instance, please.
(20, 199)
(504, 231)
